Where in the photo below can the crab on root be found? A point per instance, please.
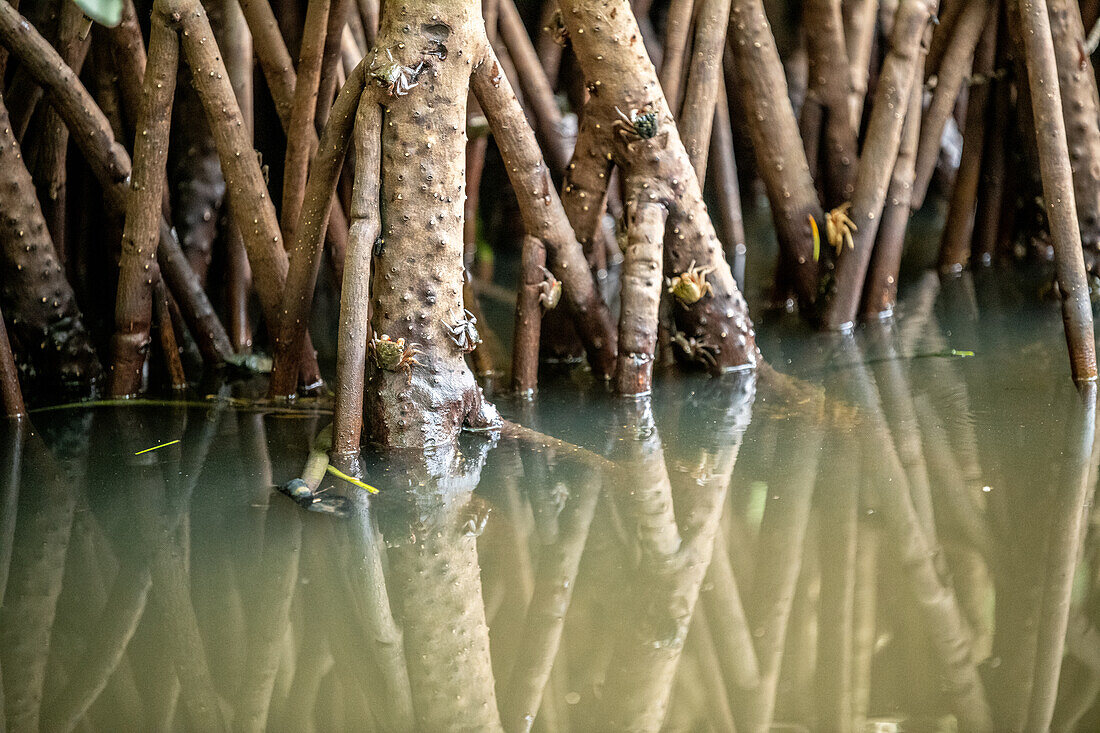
(392, 356)
(695, 350)
(839, 228)
(556, 29)
(549, 290)
(396, 78)
(690, 286)
(640, 125)
(464, 331)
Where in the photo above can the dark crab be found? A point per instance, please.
(695, 350)
(641, 124)
(464, 331)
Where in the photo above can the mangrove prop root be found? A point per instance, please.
(300, 142)
(305, 258)
(781, 160)
(880, 151)
(137, 264)
(354, 329)
(880, 290)
(528, 321)
(649, 152)
(1055, 167)
(39, 301)
(705, 76)
(641, 296)
(544, 215)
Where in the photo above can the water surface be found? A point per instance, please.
(897, 534)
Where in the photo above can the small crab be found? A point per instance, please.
(477, 516)
(839, 228)
(557, 30)
(690, 286)
(396, 78)
(695, 350)
(640, 124)
(393, 355)
(549, 290)
(464, 331)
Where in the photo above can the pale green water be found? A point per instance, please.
(916, 545)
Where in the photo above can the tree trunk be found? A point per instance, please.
(418, 287)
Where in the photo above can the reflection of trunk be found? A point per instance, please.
(779, 560)
(675, 553)
(914, 547)
(554, 582)
(34, 584)
(275, 576)
(434, 576)
(1069, 510)
(838, 488)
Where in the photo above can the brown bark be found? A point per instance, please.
(828, 86)
(528, 322)
(620, 74)
(168, 345)
(675, 48)
(309, 230)
(46, 321)
(418, 290)
(354, 329)
(780, 157)
(1077, 84)
(537, 90)
(544, 216)
(958, 228)
(880, 151)
(859, 38)
(880, 291)
(332, 71)
(727, 189)
(950, 75)
(300, 143)
(10, 395)
(137, 264)
(641, 292)
(1055, 167)
(254, 211)
(281, 79)
(110, 164)
(696, 117)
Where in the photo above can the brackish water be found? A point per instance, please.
(900, 537)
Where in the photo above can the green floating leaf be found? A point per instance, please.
(104, 12)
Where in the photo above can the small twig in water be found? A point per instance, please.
(157, 447)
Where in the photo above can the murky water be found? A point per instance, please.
(897, 536)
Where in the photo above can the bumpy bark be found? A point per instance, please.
(618, 73)
(641, 294)
(880, 291)
(780, 157)
(40, 305)
(705, 76)
(435, 578)
(418, 289)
